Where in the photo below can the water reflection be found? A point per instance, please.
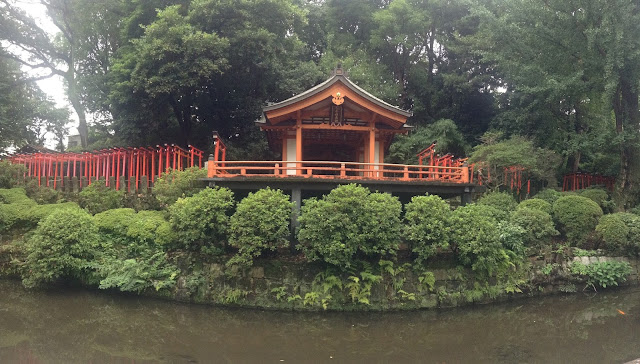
(81, 326)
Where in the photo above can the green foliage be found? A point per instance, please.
(97, 197)
(27, 215)
(576, 216)
(115, 221)
(11, 175)
(202, 220)
(16, 195)
(347, 221)
(359, 287)
(427, 225)
(537, 224)
(260, 223)
(477, 241)
(151, 227)
(502, 201)
(133, 245)
(602, 274)
(613, 231)
(137, 274)
(175, 184)
(445, 132)
(599, 196)
(42, 194)
(60, 248)
(536, 204)
(549, 194)
(495, 155)
(621, 233)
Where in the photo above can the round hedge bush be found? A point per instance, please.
(536, 204)
(61, 247)
(549, 194)
(476, 238)
(260, 223)
(202, 220)
(576, 217)
(537, 224)
(621, 233)
(349, 220)
(613, 231)
(175, 184)
(427, 225)
(501, 201)
(97, 198)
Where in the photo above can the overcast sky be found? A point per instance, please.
(53, 86)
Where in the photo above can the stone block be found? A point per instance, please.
(75, 185)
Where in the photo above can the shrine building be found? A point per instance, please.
(337, 133)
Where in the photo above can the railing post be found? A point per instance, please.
(343, 171)
(406, 172)
(465, 173)
(211, 166)
(276, 170)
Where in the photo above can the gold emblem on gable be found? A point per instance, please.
(338, 99)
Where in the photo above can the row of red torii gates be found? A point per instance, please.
(133, 167)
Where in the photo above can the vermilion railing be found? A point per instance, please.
(336, 170)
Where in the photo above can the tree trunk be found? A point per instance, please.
(625, 107)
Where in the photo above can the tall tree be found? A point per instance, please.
(56, 55)
(573, 52)
(26, 115)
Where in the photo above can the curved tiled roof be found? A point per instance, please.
(337, 77)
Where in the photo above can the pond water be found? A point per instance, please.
(70, 326)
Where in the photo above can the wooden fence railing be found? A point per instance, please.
(338, 170)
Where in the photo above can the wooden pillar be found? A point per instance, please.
(299, 142)
(372, 149)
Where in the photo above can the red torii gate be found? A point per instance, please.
(129, 163)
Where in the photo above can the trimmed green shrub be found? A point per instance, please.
(621, 233)
(114, 222)
(61, 247)
(175, 184)
(97, 198)
(476, 239)
(202, 220)
(150, 227)
(549, 194)
(536, 204)
(427, 225)
(576, 217)
(632, 222)
(347, 221)
(599, 196)
(260, 223)
(42, 194)
(501, 201)
(11, 175)
(613, 231)
(27, 216)
(537, 224)
(16, 195)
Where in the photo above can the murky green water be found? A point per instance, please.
(80, 326)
